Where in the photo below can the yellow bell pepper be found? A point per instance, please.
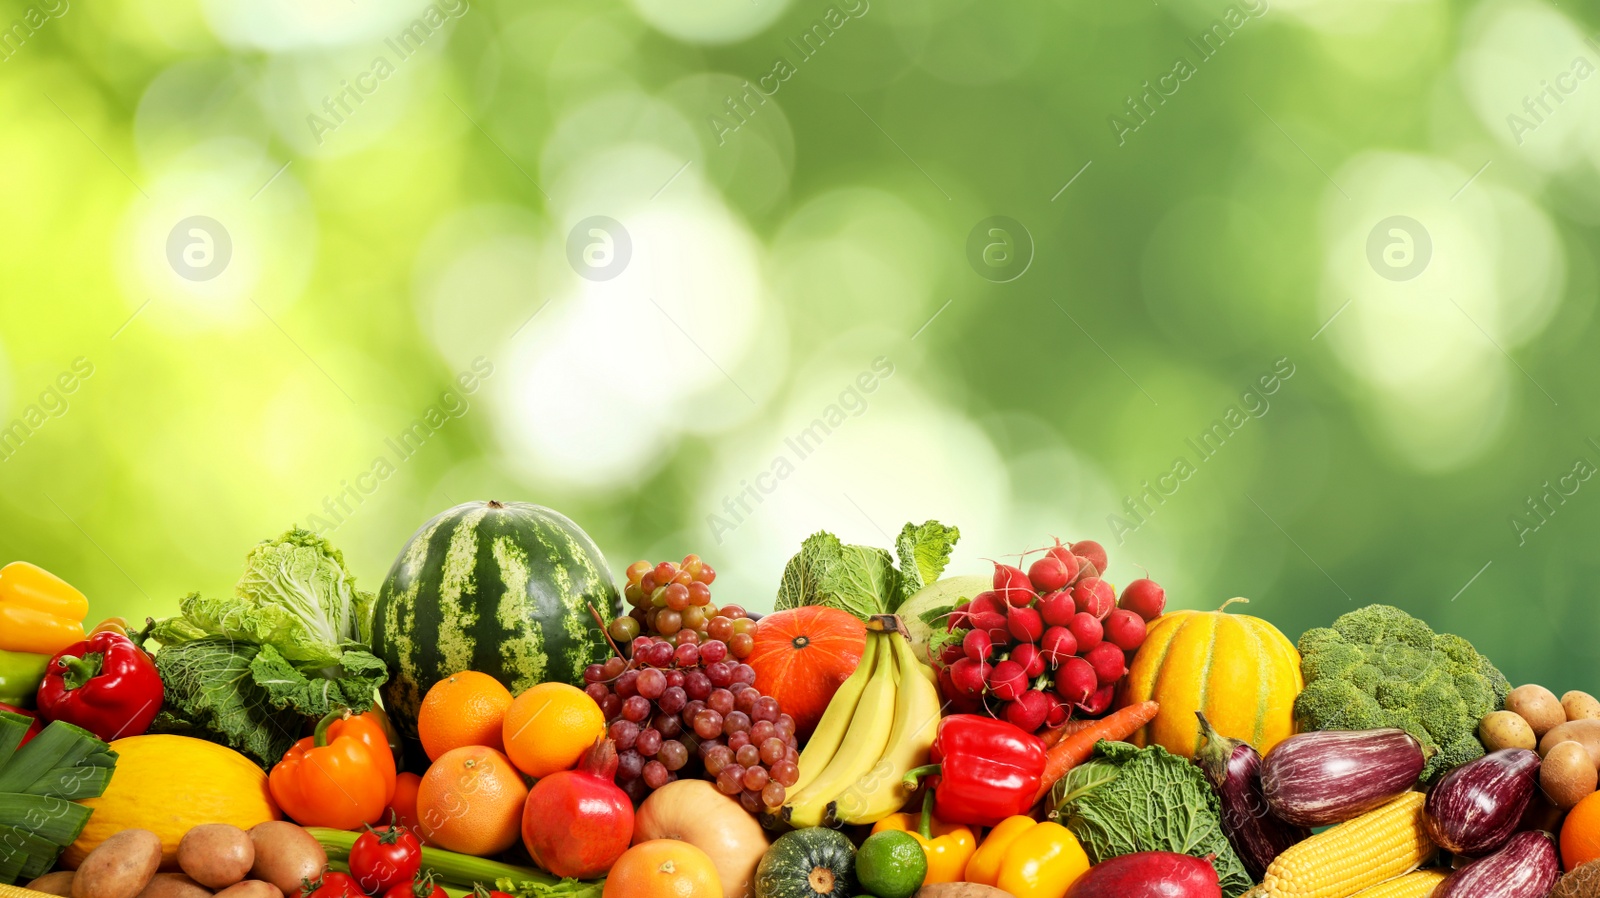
(949, 846)
(39, 612)
(1029, 859)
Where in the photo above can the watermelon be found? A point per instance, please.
(501, 588)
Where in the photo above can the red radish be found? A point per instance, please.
(1076, 681)
(1031, 659)
(1095, 596)
(1025, 624)
(977, 645)
(947, 683)
(989, 620)
(1108, 663)
(1057, 645)
(1007, 680)
(578, 822)
(1057, 608)
(1125, 629)
(984, 601)
(1087, 630)
(969, 676)
(1049, 573)
(1092, 552)
(1029, 711)
(958, 619)
(1144, 597)
(1149, 874)
(951, 654)
(1012, 585)
(1059, 712)
(1099, 702)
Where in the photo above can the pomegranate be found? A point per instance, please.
(578, 822)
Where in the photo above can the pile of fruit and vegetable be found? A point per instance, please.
(500, 720)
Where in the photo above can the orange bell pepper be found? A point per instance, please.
(1029, 859)
(949, 846)
(39, 612)
(340, 777)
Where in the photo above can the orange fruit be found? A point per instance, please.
(1580, 833)
(464, 709)
(549, 727)
(663, 868)
(470, 801)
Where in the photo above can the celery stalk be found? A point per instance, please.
(463, 871)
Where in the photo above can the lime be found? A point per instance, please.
(890, 864)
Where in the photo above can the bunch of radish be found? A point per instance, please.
(1048, 643)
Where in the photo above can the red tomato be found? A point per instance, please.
(418, 888)
(403, 806)
(331, 884)
(385, 857)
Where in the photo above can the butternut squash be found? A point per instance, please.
(168, 784)
(1240, 670)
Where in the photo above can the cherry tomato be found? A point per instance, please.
(331, 884)
(385, 857)
(421, 887)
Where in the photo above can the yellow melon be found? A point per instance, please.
(1240, 670)
(167, 784)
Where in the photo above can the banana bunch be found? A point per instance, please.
(879, 725)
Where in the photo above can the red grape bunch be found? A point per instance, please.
(673, 602)
(1044, 643)
(693, 710)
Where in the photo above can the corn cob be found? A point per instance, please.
(1338, 863)
(1417, 884)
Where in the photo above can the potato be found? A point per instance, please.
(252, 888)
(1506, 729)
(1568, 774)
(1538, 706)
(119, 867)
(217, 855)
(1580, 706)
(174, 885)
(1584, 731)
(961, 890)
(285, 854)
(57, 883)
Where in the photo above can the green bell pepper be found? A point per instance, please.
(20, 676)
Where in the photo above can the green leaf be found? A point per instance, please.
(924, 551)
(352, 685)
(1129, 799)
(211, 693)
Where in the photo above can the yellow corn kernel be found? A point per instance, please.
(1417, 884)
(1338, 863)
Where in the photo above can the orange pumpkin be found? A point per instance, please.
(801, 657)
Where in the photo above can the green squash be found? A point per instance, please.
(808, 863)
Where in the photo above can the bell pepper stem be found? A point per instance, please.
(80, 670)
(925, 822)
(320, 734)
(915, 775)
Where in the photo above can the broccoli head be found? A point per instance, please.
(1380, 667)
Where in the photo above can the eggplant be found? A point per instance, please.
(1331, 776)
(1233, 767)
(1476, 807)
(1527, 867)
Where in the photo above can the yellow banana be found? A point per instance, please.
(916, 721)
(863, 744)
(829, 734)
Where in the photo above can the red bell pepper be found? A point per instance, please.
(33, 729)
(984, 770)
(105, 684)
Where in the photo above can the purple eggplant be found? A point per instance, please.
(1330, 776)
(1526, 867)
(1475, 809)
(1233, 767)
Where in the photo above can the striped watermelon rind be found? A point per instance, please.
(501, 588)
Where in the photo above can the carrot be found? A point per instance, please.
(1076, 748)
(1052, 736)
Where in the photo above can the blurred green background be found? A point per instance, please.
(250, 245)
